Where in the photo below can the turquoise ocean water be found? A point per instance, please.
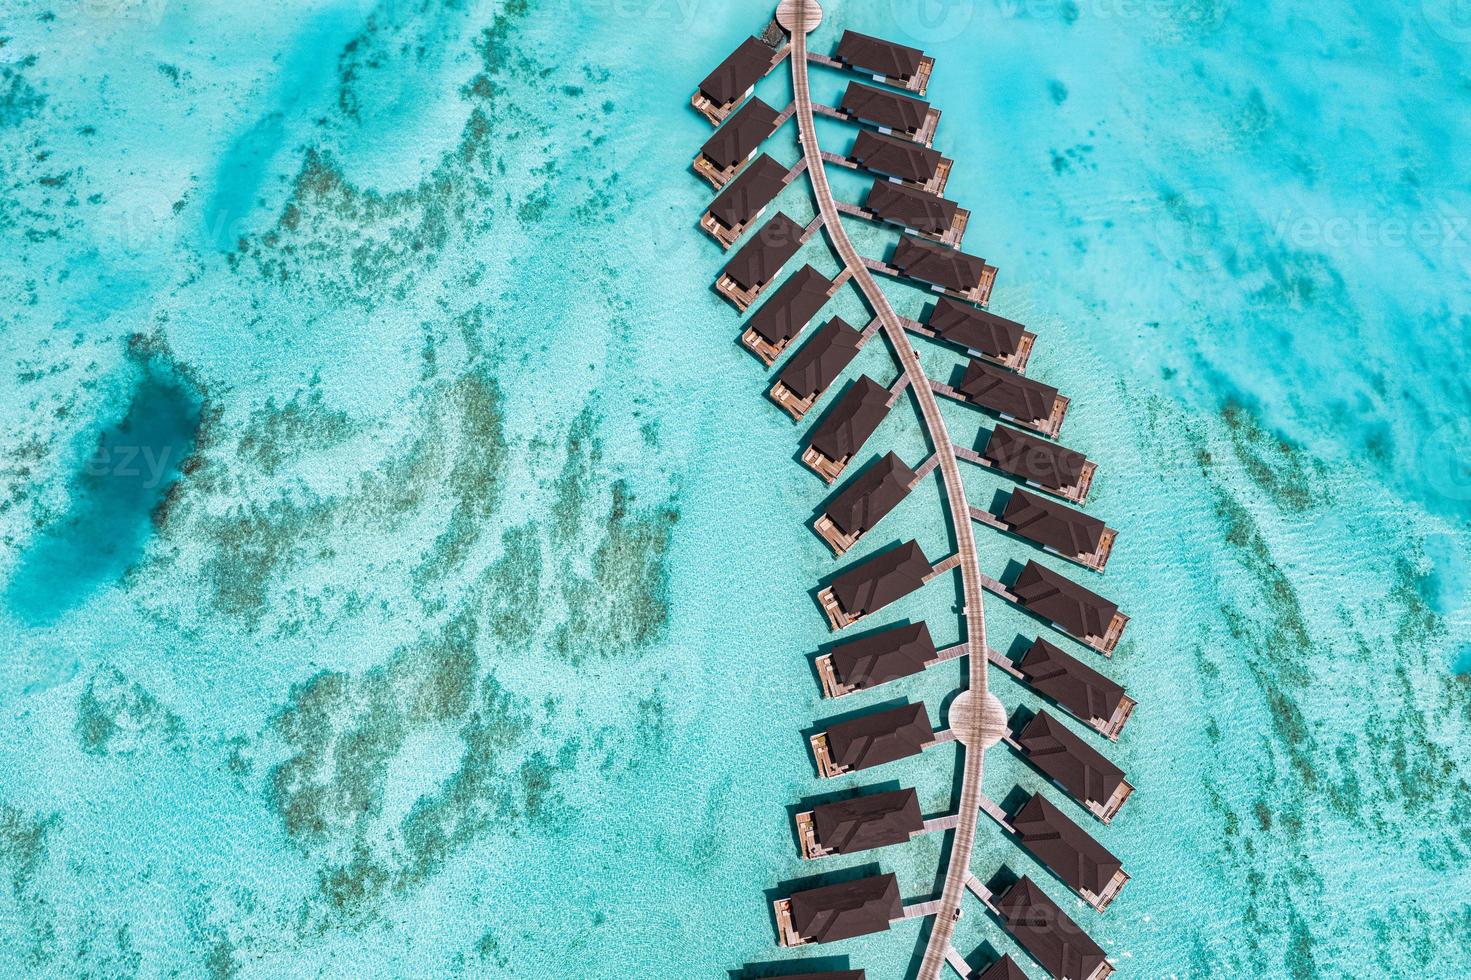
(404, 575)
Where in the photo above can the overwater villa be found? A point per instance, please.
(899, 159)
(813, 369)
(1042, 465)
(735, 78)
(735, 144)
(893, 64)
(842, 911)
(744, 200)
(846, 427)
(864, 502)
(1055, 528)
(890, 112)
(1068, 607)
(1049, 935)
(860, 824)
(1073, 765)
(1065, 849)
(1016, 399)
(872, 740)
(782, 317)
(876, 658)
(981, 333)
(943, 270)
(874, 583)
(1073, 686)
(915, 210)
(757, 263)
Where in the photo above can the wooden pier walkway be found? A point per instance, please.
(801, 20)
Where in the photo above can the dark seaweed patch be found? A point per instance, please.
(115, 716)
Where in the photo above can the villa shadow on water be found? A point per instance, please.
(122, 479)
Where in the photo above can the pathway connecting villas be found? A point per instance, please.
(977, 717)
(994, 382)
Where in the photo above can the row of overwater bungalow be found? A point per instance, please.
(893, 144)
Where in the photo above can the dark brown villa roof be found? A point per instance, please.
(910, 207)
(795, 302)
(861, 824)
(821, 359)
(1008, 394)
(1076, 766)
(938, 265)
(888, 109)
(1052, 524)
(974, 329)
(883, 656)
(1046, 932)
(750, 191)
(1061, 601)
(1070, 682)
(853, 908)
(877, 56)
(894, 157)
(760, 259)
(1003, 969)
(1066, 849)
(1038, 460)
(871, 495)
(741, 134)
(847, 426)
(882, 579)
(884, 737)
(745, 66)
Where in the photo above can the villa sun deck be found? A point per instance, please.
(813, 369)
(735, 78)
(1072, 765)
(1064, 605)
(942, 270)
(1053, 527)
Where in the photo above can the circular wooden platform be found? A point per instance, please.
(977, 725)
(787, 11)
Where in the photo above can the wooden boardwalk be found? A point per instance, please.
(973, 613)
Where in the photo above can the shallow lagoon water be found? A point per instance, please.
(472, 635)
